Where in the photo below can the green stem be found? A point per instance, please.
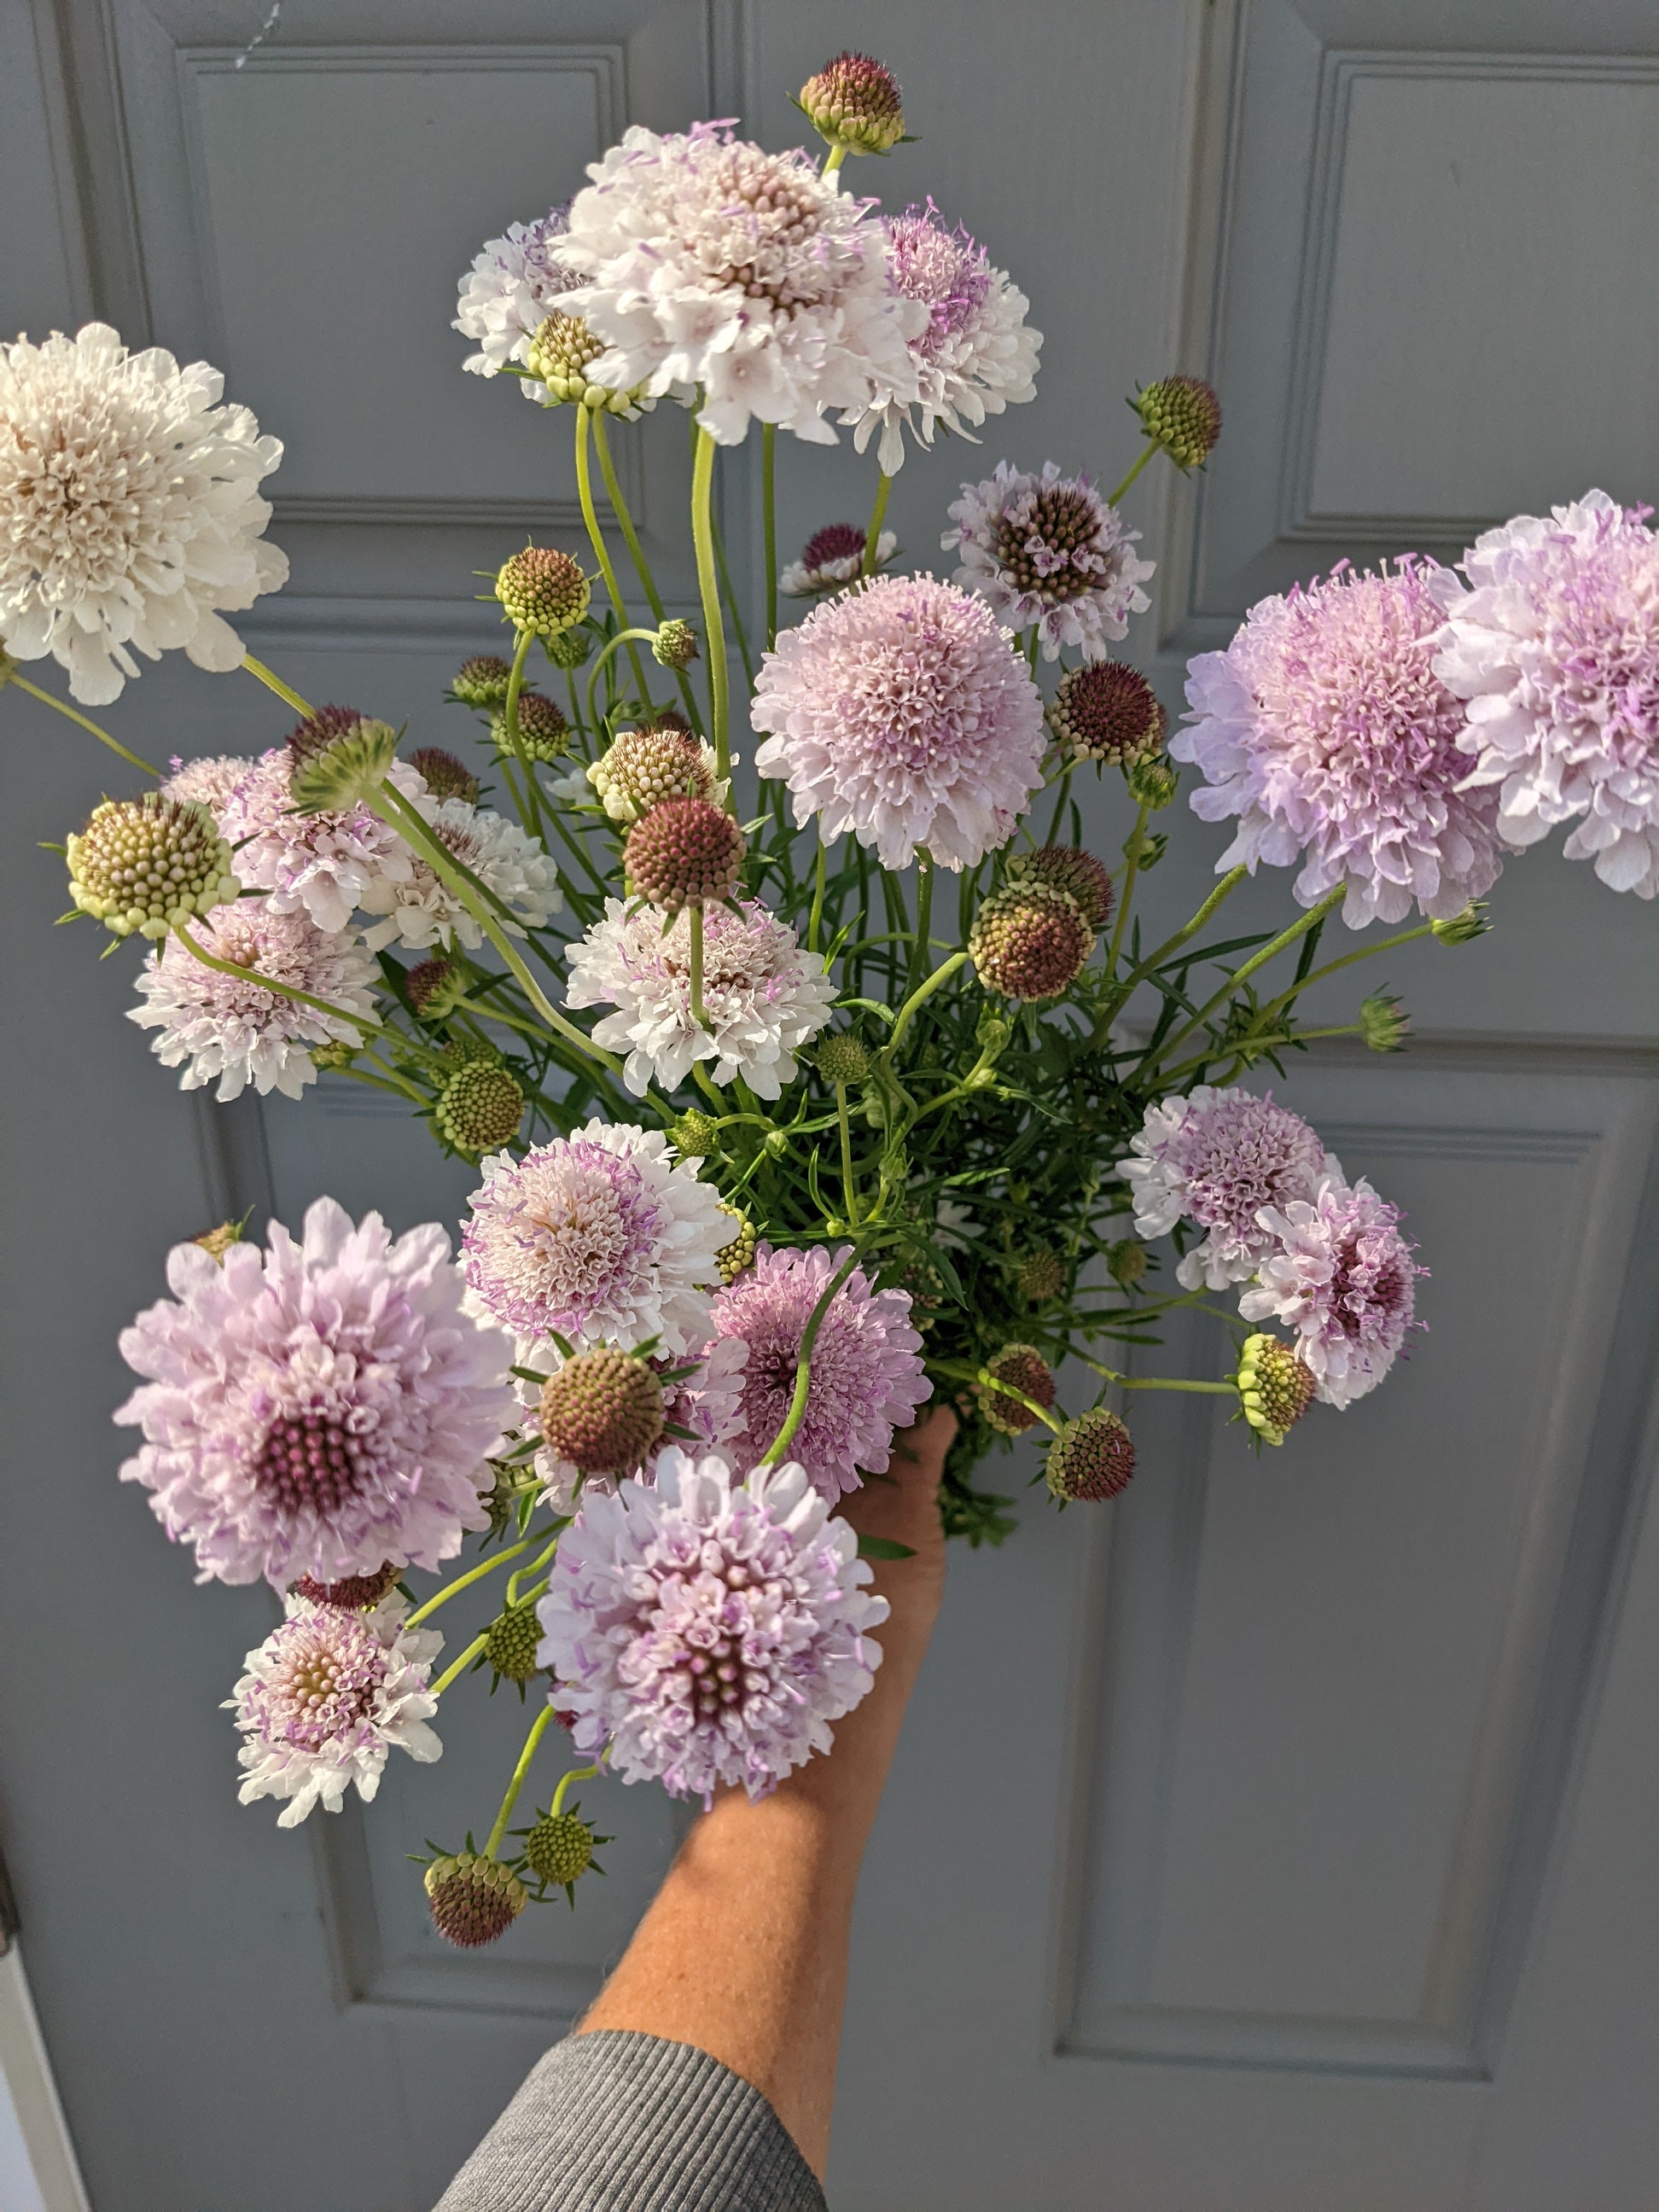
(877, 516)
(636, 551)
(460, 1665)
(1256, 961)
(695, 934)
(797, 1413)
(714, 622)
(815, 920)
(836, 156)
(515, 736)
(272, 681)
(576, 1774)
(732, 600)
(1131, 869)
(465, 1582)
(1187, 931)
(365, 1023)
(1059, 804)
(919, 946)
(850, 1187)
(1146, 457)
(769, 527)
(596, 539)
(919, 998)
(539, 1729)
(622, 637)
(1365, 952)
(9, 675)
(1243, 1050)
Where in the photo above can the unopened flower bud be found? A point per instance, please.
(436, 986)
(1029, 941)
(1107, 711)
(854, 102)
(1182, 414)
(603, 1412)
(1463, 928)
(510, 1642)
(344, 773)
(560, 1848)
(329, 1058)
(482, 681)
(639, 768)
(148, 864)
(1125, 1261)
(1275, 1388)
(353, 1593)
(560, 355)
(1070, 869)
(473, 1900)
(1042, 1276)
(776, 1142)
(216, 1243)
(686, 852)
(445, 776)
(479, 1108)
(737, 1256)
(1382, 1025)
(1025, 1369)
(570, 649)
(318, 731)
(1092, 1458)
(542, 590)
(1152, 784)
(544, 731)
(694, 1135)
(843, 1057)
(675, 645)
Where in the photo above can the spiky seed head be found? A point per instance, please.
(1029, 941)
(560, 1848)
(1125, 1261)
(1023, 1367)
(445, 776)
(216, 1243)
(603, 1410)
(436, 986)
(544, 731)
(570, 649)
(694, 1135)
(1072, 869)
(354, 1593)
(675, 645)
(473, 1900)
(1107, 711)
(1091, 1458)
(342, 774)
(319, 731)
(510, 1642)
(686, 852)
(1182, 414)
(641, 768)
(1152, 783)
(1041, 1276)
(736, 1257)
(482, 681)
(144, 865)
(854, 101)
(1463, 928)
(542, 590)
(843, 1057)
(480, 1107)
(1275, 1388)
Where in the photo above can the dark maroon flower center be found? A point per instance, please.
(309, 1462)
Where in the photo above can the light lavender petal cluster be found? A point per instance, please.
(1344, 1281)
(1218, 1158)
(1048, 553)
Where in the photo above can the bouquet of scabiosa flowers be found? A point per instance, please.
(795, 1101)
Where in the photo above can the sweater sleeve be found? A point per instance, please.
(619, 2122)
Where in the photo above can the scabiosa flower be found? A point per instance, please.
(596, 1237)
(707, 261)
(1218, 1157)
(420, 908)
(684, 852)
(481, 681)
(129, 512)
(325, 1697)
(1069, 868)
(762, 997)
(663, 759)
(144, 864)
(235, 1030)
(1107, 711)
(1030, 939)
(1020, 1367)
(833, 556)
(544, 728)
(514, 282)
(1343, 1278)
(866, 1379)
(443, 774)
(709, 1632)
(1556, 648)
(853, 102)
(208, 781)
(1324, 728)
(1181, 415)
(1275, 1387)
(543, 590)
(479, 1108)
(1091, 1459)
(320, 865)
(559, 354)
(901, 711)
(317, 1408)
(1047, 550)
(974, 354)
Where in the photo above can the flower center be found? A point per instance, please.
(1044, 544)
(309, 1463)
(325, 1688)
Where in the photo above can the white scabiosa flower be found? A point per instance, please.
(705, 261)
(322, 865)
(130, 515)
(421, 909)
(762, 997)
(1046, 551)
(209, 782)
(514, 284)
(325, 1698)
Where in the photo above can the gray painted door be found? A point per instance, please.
(1281, 1841)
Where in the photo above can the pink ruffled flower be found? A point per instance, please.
(322, 864)
(1344, 1279)
(708, 1631)
(1218, 1157)
(866, 1380)
(318, 1408)
(1048, 551)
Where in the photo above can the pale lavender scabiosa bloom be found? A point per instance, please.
(323, 864)
(420, 909)
(708, 1631)
(705, 261)
(866, 1380)
(230, 1029)
(600, 1237)
(902, 712)
(130, 510)
(1343, 1278)
(325, 1697)
(762, 997)
(1047, 550)
(1324, 728)
(318, 1408)
(832, 557)
(974, 354)
(209, 782)
(514, 282)
(1556, 649)
(1218, 1157)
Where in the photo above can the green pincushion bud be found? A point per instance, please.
(1381, 1024)
(570, 649)
(342, 774)
(544, 729)
(482, 681)
(1125, 1261)
(560, 1848)
(1091, 1458)
(843, 1057)
(480, 1108)
(1025, 1369)
(736, 1257)
(560, 355)
(694, 1135)
(675, 645)
(542, 590)
(1275, 1388)
(473, 1900)
(510, 1642)
(1041, 1276)
(146, 864)
(445, 776)
(1181, 415)
(436, 986)
(1463, 928)
(853, 102)
(1152, 784)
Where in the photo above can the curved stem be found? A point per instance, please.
(1151, 449)
(919, 998)
(622, 637)
(465, 1582)
(797, 1413)
(459, 1666)
(714, 621)
(769, 526)
(272, 681)
(367, 1024)
(919, 949)
(732, 600)
(1256, 961)
(837, 155)
(636, 551)
(9, 675)
(539, 1729)
(596, 538)
(576, 1774)
(1131, 869)
(877, 515)
(1186, 932)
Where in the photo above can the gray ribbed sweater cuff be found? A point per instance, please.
(616, 2122)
